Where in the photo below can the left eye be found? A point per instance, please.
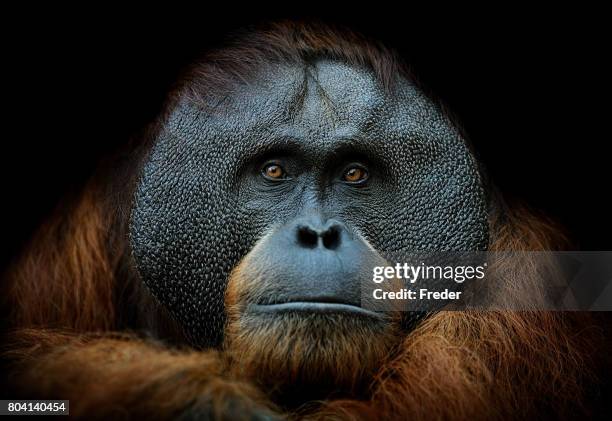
(355, 175)
(273, 171)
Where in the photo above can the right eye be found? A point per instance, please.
(273, 171)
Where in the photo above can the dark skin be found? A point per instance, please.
(218, 277)
(304, 154)
(309, 176)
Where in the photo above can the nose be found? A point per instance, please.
(312, 234)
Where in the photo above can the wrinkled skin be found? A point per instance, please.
(201, 203)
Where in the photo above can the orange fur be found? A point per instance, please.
(122, 376)
(67, 278)
(319, 351)
(72, 291)
(454, 365)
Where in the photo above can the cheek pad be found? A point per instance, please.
(186, 235)
(188, 229)
(435, 200)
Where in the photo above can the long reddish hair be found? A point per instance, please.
(75, 284)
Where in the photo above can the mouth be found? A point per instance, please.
(319, 305)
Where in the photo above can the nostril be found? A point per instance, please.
(331, 238)
(307, 237)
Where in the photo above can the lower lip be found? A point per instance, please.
(315, 307)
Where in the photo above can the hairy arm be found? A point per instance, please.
(124, 376)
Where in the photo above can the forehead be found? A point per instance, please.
(317, 104)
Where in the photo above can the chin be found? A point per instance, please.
(311, 351)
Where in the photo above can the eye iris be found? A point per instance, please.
(274, 171)
(354, 174)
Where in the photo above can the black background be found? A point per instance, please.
(529, 87)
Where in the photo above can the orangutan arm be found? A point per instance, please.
(122, 376)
